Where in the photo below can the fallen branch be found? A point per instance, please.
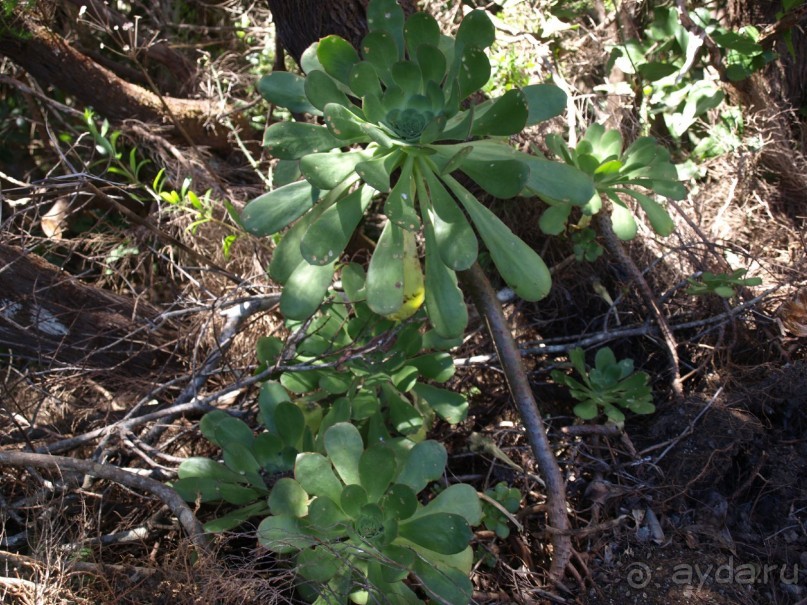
(476, 283)
(171, 499)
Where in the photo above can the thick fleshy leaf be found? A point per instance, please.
(400, 204)
(400, 502)
(288, 498)
(476, 30)
(520, 266)
(344, 447)
(293, 140)
(403, 416)
(206, 489)
(352, 499)
(656, 213)
(337, 57)
(445, 304)
(284, 534)
(364, 80)
(235, 518)
(558, 181)
(432, 64)
(544, 101)
(327, 170)
(501, 178)
(408, 76)
(376, 172)
(459, 127)
(239, 459)
(304, 290)
(287, 256)
(289, 422)
(421, 28)
(554, 218)
(205, 467)
(272, 211)
(425, 462)
(318, 564)
(450, 406)
(287, 90)
(328, 235)
(353, 280)
(315, 475)
(222, 429)
(321, 89)
(444, 584)
(444, 533)
(622, 219)
(474, 71)
(387, 16)
(506, 116)
(459, 498)
(343, 123)
(385, 275)
(376, 468)
(434, 366)
(380, 50)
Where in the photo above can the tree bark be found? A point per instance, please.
(53, 62)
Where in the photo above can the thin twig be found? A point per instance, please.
(174, 502)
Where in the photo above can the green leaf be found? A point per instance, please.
(453, 234)
(520, 266)
(450, 406)
(318, 564)
(445, 304)
(364, 80)
(444, 584)
(352, 499)
(284, 534)
(327, 170)
(400, 204)
(377, 468)
(337, 56)
(289, 422)
(476, 30)
(474, 71)
(385, 275)
(379, 49)
(321, 90)
(328, 236)
(376, 171)
(387, 16)
(656, 213)
(288, 498)
(287, 90)
(304, 290)
(205, 467)
(622, 219)
(433, 66)
(287, 257)
(408, 76)
(272, 211)
(501, 178)
(343, 123)
(460, 499)
(553, 219)
(353, 280)
(545, 101)
(434, 366)
(506, 116)
(421, 28)
(239, 458)
(206, 489)
(425, 463)
(444, 533)
(293, 140)
(400, 502)
(344, 446)
(558, 181)
(222, 429)
(403, 416)
(235, 518)
(314, 473)
(656, 70)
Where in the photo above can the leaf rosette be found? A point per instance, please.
(394, 123)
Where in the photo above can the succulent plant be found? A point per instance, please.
(395, 123)
(615, 171)
(610, 385)
(355, 527)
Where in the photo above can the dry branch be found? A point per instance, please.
(176, 504)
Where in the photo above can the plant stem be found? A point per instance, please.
(476, 283)
(615, 247)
